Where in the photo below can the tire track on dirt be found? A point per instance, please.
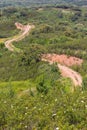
(67, 72)
(25, 29)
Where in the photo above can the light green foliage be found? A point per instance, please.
(54, 109)
(33, 94)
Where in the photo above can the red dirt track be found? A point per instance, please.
(63, 61)
(25, 29)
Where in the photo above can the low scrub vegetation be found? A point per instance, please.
(33, 93)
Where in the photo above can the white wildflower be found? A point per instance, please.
(54, 114)
(5, 102)
(57, 128)
(86, 106)
(26, 108)
(34, 107)
(26, 126)
(11, 106)
(56, 100)
(64, 111)
(25, 113)
(39, 109)
(82, 101)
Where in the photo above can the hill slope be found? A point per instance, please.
(34, 95)
(4, 3)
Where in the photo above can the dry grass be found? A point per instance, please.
(2, 40)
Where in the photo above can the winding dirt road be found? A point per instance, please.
(73, 75)
(67, 72)
(25, 29)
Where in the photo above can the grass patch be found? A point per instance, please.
(17, 86)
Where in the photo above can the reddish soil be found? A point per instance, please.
(19, 26)
(25, 29)
(74, 76)
(63, 59)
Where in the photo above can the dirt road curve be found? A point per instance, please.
(74, 76)
(67, 72)
(25, 29)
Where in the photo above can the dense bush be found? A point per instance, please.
(46, 100)
(52, 110)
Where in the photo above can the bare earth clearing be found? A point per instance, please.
(66, 61)
(63, 59)
(25, 29)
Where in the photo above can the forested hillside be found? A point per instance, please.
(34, 93)
(4, 3)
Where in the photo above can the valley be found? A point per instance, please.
(43, 66)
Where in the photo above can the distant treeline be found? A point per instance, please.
(5, 3)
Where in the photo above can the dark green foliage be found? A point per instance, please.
(46, 100)
(9, 10)
(60, 14)
(31, 55)
(76, 16)
(85, 83)
(42, 88)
